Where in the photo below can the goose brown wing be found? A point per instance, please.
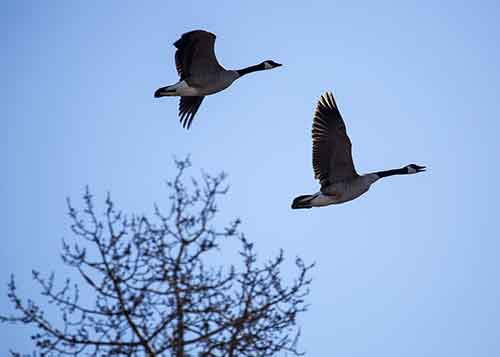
(188, 106)
(195, 54)
(331, 153)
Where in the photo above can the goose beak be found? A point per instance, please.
(420, 168)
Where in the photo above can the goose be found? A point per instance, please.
(332, 161)
(200, 73)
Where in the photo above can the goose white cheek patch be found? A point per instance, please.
(411, 170)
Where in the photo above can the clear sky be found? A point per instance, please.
(409, 269)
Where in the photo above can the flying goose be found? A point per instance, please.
(200, 73)
(332, 161)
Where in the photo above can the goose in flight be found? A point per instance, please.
(332, 161)
(200, 73)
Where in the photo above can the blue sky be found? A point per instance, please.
(409, 269)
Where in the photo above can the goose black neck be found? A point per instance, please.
(401, 171)
(246, 70)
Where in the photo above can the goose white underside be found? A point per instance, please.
(320, 200)
(182, 89)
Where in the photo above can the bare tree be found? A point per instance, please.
(152, 292)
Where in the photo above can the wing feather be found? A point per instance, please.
(331, 151)
(195, 54)
(188, 106)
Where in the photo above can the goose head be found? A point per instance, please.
(270, 64)
(413, 169)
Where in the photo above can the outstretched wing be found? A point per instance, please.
(195, 54)
(188, 106)
(331, 152)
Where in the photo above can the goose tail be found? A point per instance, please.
(303, 201)
(165, 91)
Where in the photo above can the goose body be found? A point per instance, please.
(332, 161)
(200, 73)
